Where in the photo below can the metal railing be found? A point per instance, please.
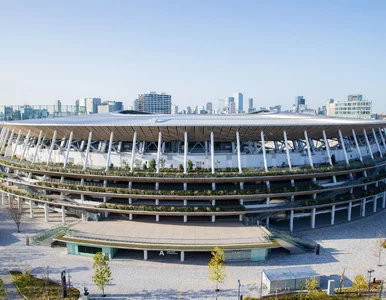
(55, 230)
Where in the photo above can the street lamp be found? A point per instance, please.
(238, 293)
(369, 271)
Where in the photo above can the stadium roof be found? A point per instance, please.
(198, 127)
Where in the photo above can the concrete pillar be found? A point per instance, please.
(46, 212)
(17, 143)
(109, 151)
(31, 209)
(343, 147)
(349, 211)
(291, 220)
(130, 217)
(292, 182)
(36, 147)
(327, 148)
(186, 145)
(287, 151)
(9, 146)
(363, 207)
(213, 186)
(2, 198)
(375, 203)
(368, 143)
(238, 152)
(333, 215)
(382, 138)
(185, 219)
(157, 218)
(185, 202)
(182, 256)
(159, 152)
(313, 218)
(308, 149)
(267, 222)
(212, 150)
(264, 152)
(25, 145)
(156, 202)
(357, 145)
(213, 202)
(130, 200)
(133, 152)
(144, 254)
(53, 141)
(376, 142)
(384, 200)
(87, 150)
(4, 140)
(63, 215)
(130, 185)
(241, 201)
(213, 219)
(18, 203)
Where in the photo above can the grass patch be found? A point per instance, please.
(161, 247)
(36, 288)
(384, 244)
(3, 293)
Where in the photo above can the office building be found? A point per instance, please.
(239, 105)
(110, 106)
(300, 104)
(355, 107)
(209, 108)
(154, 103)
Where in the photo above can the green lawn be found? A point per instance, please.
(36, 288)
(3, 293)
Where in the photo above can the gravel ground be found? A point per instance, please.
(350, 246)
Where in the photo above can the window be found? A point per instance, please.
(87, 249)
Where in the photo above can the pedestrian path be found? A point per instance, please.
(10, 288)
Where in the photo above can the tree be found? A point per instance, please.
(359, 283)
(15, 213)
(102, 272)
(190, 166)
(216, 266)
(181, 167)
(152, 164)
(379, 247)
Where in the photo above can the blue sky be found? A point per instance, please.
(198, 51)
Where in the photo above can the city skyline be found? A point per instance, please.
(270, 51)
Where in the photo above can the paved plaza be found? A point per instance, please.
(347, 246)
(194, 234)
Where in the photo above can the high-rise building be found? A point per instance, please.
(174, 109)
(58, 106)
(209, 108)
(89, 105)
(232, 108)
(188, 110)
(228, 101)
(135, 104)
(250, 105)
(238, 99)
(221, 106)
(155, 103)
(300, 103)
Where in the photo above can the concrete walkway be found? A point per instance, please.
(10, 288)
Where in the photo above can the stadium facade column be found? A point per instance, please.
(37, 147)
(3, 130)
(85, 165)
(145, 255)
(328, 153)
(267, 183)
(288, 156)
(349, 211)
(2, 198)
(357, 145)
(25, 145)
(267, 222)
(384, 200)
(185, 218)
(343, 147)
(291, 220)
(182, 258)
(63, 215)
(53, 141)
(133, 152)
(375, 203)
(31, 209)
(46, 212)
(333, 215)
(4, 140)
(105, 182)
(363, 205)
(238, 152)
(67, 153)
(313, 218)
(241, 201)
(9, 146)
(17, 143)
(158, 162)
(213, 219)
(18, 203)
(9, 198)
(212, 162)
(186, 145)
(382, 138)
(157, 218)
(308, 149)
(376, 142)
(368, 144)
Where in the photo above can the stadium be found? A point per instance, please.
(146, 183)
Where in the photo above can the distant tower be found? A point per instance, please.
(299, 101)
(250, 105)
(238, 102)
(209, 108)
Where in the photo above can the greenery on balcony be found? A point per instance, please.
(23, 193)
(174, 208)
(177, 172)
(275, 190)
